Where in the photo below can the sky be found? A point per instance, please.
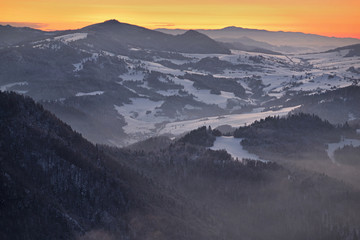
(339, 18)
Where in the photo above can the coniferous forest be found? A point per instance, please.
(57, 185)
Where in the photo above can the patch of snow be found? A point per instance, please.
(71, 37)
(21, 92)
(134, 49)
(133, 75)
(52, 46)
(276, 95)
(234, 148)
(141, 116)
(106, 53)
(351, 117)
(79, 66)
(203, 95)
(10, 85)
(190, 107)
(170, 92)
(80, 94)
(152, 66)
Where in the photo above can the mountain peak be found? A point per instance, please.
(111, 21)
(192, 33)
(108, 25)
(200, 43)
(231, 28)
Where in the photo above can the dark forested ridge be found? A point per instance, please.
(57, 185)
(334, 105)
(53, 182)
(296, 136)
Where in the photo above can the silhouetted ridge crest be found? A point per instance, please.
(115, 33)
(193, 33)
(111, 21)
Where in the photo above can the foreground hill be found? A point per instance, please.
(56, 185)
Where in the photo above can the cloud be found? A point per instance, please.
(26, 24)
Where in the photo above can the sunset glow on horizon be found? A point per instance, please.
(324, 17)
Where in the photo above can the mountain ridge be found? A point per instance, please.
(251, 29)
(125, 35)
(278, 38)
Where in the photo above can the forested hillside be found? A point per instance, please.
(57, 185)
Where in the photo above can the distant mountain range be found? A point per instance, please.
(272, 40)
(120, 37)
(118, 83)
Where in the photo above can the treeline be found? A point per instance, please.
(298, 136)
(246, 196)
(56, 185)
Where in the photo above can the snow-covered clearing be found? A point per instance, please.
(80, 94)
(10, 85)
(205, 96)
(234, 148)
(140, 115)
(133, 76)
(79, 66)
(71, 37)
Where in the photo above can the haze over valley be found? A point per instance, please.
(116, 131)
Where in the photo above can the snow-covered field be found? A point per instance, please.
(10, 85)
(234, 148)
(234, 120)
(80, 94)
(261, 78)
(205, 96)
(141, 117)
(71, 37)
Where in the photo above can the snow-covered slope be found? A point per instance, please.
(116, 93)
(234, 148)
(234, 120)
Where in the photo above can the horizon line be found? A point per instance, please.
(37, 26)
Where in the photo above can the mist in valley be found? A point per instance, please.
(115, 131)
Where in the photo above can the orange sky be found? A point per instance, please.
(339, 18)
